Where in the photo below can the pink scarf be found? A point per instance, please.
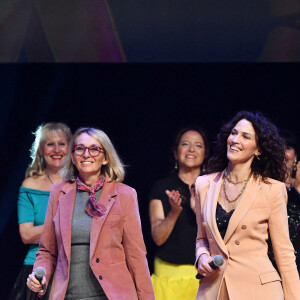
(93, 208)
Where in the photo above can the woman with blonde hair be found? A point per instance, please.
(48, 154)
(92, 240)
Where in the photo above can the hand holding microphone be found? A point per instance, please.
(34, 281)
(217, 262)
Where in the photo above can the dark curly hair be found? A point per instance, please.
(290, 140)
(271, 163)
(180, 133)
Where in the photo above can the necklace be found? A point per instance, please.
(231, 181)
(240, 193)
(49, 177)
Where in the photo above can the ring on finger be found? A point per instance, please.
(204, 274)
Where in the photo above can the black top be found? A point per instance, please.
(222, 219)
(179, 248)
(293, 210)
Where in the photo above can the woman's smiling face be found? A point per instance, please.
(242, 143)
(86, 164)
(54, 150)
(191, 150)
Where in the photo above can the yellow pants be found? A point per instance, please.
(174, 282)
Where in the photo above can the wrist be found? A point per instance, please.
(174, 213)
(201, 257)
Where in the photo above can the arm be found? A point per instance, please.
(161, 226)
(203, 257)
(134, 247)
(282, 246)
(46, 256)
(30, 234)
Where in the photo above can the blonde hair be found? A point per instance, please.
(114, 168)
(37, 166)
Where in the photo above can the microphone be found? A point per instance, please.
(217, 262)
(39, 273)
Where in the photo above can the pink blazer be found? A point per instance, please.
(117, 250)
(248, 272)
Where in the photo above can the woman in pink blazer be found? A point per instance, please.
(240, 202)
(92, 239)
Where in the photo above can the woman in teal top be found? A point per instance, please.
(32, 207)
(48, 153)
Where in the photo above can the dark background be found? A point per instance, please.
(140, 107)
(192, 31)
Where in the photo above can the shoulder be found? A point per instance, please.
(37, 183)
(122, 188)
(275, 191)
(167, 183)
(32, 182)
(64, 186)
(60, 188)
(158, 189)
(167, 180)
(276, 182)
(204, 180)
(125, 195)
(272, 184)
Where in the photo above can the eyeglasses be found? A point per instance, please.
(94, 151)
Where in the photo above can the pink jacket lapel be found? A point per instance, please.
(66, 206)
(107, 198)
(211, 206)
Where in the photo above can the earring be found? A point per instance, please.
(42, 160)
(257, 157)
(295, 165)
(176, 165)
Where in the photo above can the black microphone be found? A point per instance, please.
(39, 273)
(217, 262)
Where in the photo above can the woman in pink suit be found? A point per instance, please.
(242, 200)
(92, 238)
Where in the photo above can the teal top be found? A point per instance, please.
(32, 207)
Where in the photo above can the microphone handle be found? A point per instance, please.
(34, 295)
(212, 265)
